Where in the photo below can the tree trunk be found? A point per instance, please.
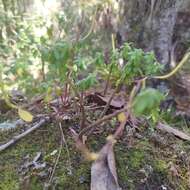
(150, 24)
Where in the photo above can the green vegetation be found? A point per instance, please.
(50, 64)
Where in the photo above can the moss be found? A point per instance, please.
(144, 145)
(160, 166)
(8, 180)
(46, 140)
(128, 164)
(35, 184)
(122, 165)
(136, 159)
(79, 179)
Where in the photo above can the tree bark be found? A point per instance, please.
(150, 24)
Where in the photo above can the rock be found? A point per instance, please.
(7, 126)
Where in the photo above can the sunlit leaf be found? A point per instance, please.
(121, 117)
(25, 115)
(19, 71)
(75, 68)
(58, 91)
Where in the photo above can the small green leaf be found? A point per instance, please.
(147, 101)
(75, 68)
(87, 82)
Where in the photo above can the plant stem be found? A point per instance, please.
(127, 109)
(111, 67)
(109, 101)
(176, 69)
(43, 70)
(108, 80)
(83, 115)
(98, 122)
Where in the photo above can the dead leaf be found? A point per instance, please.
(117, 102)
(173, 131)
(25, 115)
(103, 170)
(121, 117)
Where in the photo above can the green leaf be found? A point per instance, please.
(75, 68)
(99, 60)
(147, 101)
(87, 82)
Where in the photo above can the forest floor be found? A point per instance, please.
(146, 159)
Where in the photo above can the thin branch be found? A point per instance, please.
(81, 146)
(109, 102)
(134, 91)
(66, 145)
(59, 154)
(171, 130)
(176, 69)
(83, 115)
(20, 136)
(57, 159)
(98, 122)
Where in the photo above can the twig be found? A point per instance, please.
(94, 107)
(171, 130)
(81, 146)
(20, 136)
(176, 69)
(43, 70)
(120, 129)
(83, 115)
(108, 79)
(105, 118)
(109, 102)
(134, 91)
(66, 145)
(64, 97)
(57, 159)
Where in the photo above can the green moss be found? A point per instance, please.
(8, 181)
(144, 146)
(35, 184)
(128, 164)
(160, 166)
(122, 170)
(136, 159)
(79, 179)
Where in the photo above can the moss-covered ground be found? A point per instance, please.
(146, 160)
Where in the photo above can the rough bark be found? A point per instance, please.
(150, 24)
